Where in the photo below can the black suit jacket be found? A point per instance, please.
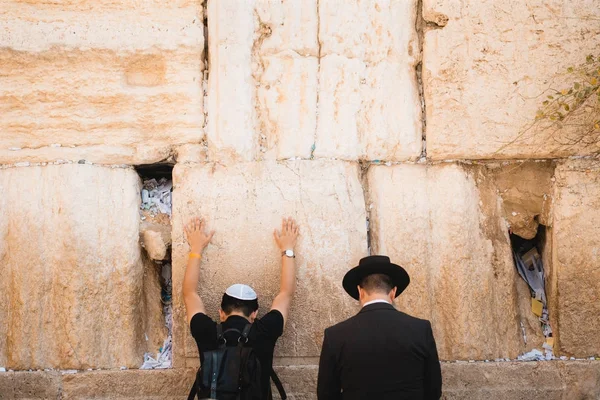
(379, 354)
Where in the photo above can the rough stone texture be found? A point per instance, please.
(244, 203)
(556, 380)
(155, 235)
(526, 190)
(486, 71)
(265, 58)
(443, 224)
(278, 60)
(369, 103)
(108, 81)
(133, 384)
(72, 281)
(575, 295)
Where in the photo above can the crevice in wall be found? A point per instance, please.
(319, 55)
(262, 32)
(419, 27)
(532, 264)
(155, 238)
(364, 180)
(205, 76)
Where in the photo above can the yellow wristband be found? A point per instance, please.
(195, 255)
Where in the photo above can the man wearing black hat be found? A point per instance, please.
(380, 353)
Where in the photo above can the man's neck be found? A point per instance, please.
(375, 298)
(237, 314)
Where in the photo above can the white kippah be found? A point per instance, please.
(241, 292)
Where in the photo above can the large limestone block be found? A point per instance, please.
(369, 105)
(105, 24)
(72, 273)
(443, 224)
(487, 71)
(104, 81)
(244, 203)
(281, 61)
(262, 85)
(103, 106)
(575, 293)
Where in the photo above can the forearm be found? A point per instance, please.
(191, 298)
(192, 275)
(288, 275)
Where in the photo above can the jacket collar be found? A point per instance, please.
(377, 306)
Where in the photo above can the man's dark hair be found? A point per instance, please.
(377, 283)
(230, 304)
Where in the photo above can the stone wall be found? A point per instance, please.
(398, 127)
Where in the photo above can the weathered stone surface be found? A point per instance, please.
(526, 190)
(487, 71)
(244, 203)
(443, 224)
(173, 384)
(575, 278)
(34, 26)
(265, 59)
(278, 59)
(369, 104)
(103, 81)
(29, 385)
(155, 235)
(104, 106)
(555, 380)
(72, 280)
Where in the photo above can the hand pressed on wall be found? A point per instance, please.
(196, 236)
(286, 239)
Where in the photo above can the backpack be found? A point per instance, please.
(232, 373)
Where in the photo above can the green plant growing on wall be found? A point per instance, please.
(571, 115)
(576, 106)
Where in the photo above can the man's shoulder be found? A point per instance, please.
(414, 320)
(395, 314)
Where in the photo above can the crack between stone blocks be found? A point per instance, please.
(364, 181)
(419, 28)
(258, 68)
(319, 55)
(205, 75)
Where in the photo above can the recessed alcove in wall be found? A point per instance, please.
(156, 185)
(532, 261)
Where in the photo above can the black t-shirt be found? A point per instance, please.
(262, 337)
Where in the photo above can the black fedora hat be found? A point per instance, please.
(375, 265)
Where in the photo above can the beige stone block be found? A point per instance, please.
(526, 190)
(264, 57)
(72, 270)
(244, 203)
(576, 259)
(487, 71)
(99, 105)
(369, 104)
(555, 380)
(444, 225)
(168, 384)
(36, 26)
(287, 99)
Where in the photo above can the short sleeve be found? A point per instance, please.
(271, 324)
(204, 330)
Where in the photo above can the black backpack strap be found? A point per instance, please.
(213, 381)
(278, 385)
(194, 390)
(245, 333)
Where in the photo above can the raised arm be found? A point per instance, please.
(197, 240)
(286, 240)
